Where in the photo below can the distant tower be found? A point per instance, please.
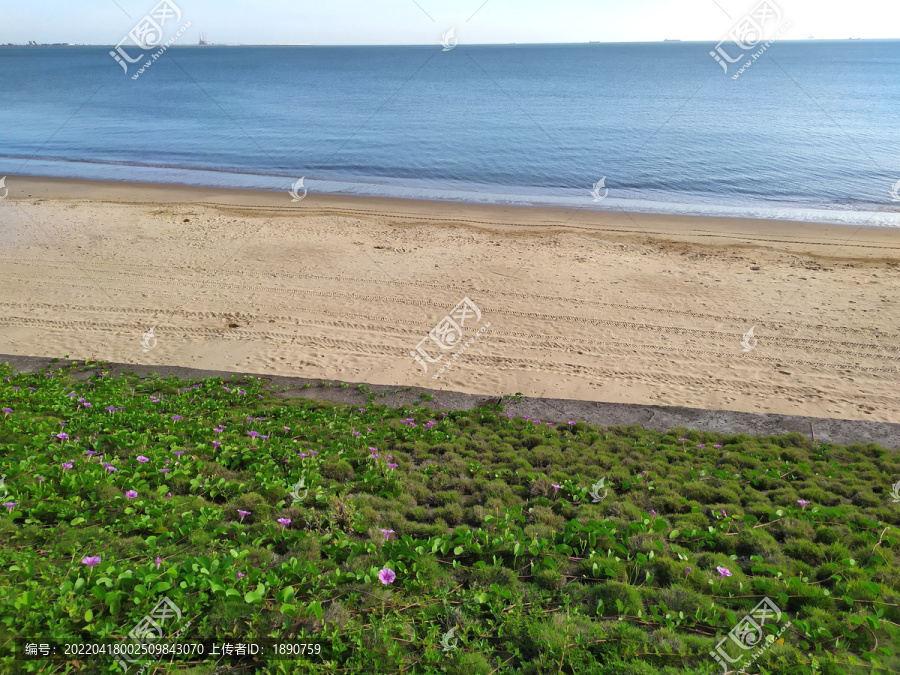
(203, 41)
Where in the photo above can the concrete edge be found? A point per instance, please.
(656, 418)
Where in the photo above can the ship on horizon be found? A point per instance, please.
(203, 41)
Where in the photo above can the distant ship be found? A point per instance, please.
(670, 40)
(203, 41)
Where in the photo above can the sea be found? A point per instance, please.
(810, 131)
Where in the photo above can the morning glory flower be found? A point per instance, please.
(142, 459)
(387, 576)
(67, 465)
(723, 572)
(7, 411)
(802, 502)
(284, 522)
(387, 533)
(242, 514)
(62, 436)
(158, 561)
(10, 505)
(91, 560)
(131, 494)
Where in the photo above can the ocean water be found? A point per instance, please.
(810, 132)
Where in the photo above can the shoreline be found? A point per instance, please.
(469, 196)
(584, 305)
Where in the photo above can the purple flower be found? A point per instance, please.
(91, 560)
(571, 423)
(387, 533)
(240, 575)
(90, 453)
(67, 465)
(178, 453)
(62, 436)
(158, 561)
(10, 505)
(723, 572)
(724, 515)
(131, 494)
(40, 479)
(313, 452)
(392, 466)
(387, 576)
(652, 513)
(216, 444)
(243, 514)
(374, 456)
(362, 410)
(110, 409)
(177, 418)
(717, 446)
(509, 415)
(687, 571)
(253, 434)
(287, 428)
(6, 411)
(303, 455)
(110, 468)
(643, 473)
(555, 487)
(284, 522)
(164, 471)
(142, 459)
(802, 502)
(168, 495)
(701, 445)
(683, 440)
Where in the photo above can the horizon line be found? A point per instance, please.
(430, 44)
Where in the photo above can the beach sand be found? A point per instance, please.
(581, 304)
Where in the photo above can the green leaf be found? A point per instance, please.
(252, 598)
(89, 615)
(77, 521)
(674, 533)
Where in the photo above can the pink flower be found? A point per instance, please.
(62, 437)
(717, 446)
(131, 494)
(240, 575)
(392, 466)
(158, 562)
(90, 561)
(287, 428)
(723, 572)
(724, 515)
(652, 513)
(177, 418)
(284, 522)
(700, 445)
(178, 453)
(556, 487)
(10, 505)
(509, 415)
(387, 533)
(387, 576)
(303, 455)
(313, 452)
(142, 459)
(164, 471)
(216, 444)
(110, 468)
(67, 465)
(168, 495)
(802, 502)
(688, 570)
(7, 411)
(253, 434)
(571, 423)
(243, 514)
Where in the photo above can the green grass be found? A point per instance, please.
(495, 533)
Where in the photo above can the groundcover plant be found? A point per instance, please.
(427, 540)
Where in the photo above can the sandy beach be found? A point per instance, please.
(582, 305)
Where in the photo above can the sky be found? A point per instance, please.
(343, 22)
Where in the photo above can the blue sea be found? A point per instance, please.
(810, 132)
